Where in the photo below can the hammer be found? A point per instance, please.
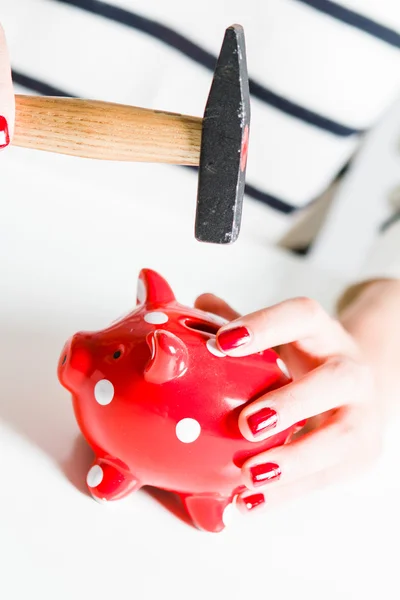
(216, 143)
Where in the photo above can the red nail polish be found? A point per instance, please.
(4, 135)
(262, 474)
(253, 501)
(263, 420)
(233, 338)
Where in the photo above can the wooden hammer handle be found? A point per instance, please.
(106, 131)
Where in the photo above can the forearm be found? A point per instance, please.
(371, 314)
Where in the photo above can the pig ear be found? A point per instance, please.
(153, 289)
(169, 357)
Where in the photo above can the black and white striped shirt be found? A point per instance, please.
(323, 76)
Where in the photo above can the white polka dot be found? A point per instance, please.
(212, 347)
(156, 318)
(104, 392)
(95, 476)
(141, 292)
(282, 367)
(187, 430)
(229, 514)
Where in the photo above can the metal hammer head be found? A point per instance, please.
(224, 145)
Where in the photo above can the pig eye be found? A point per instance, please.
(64, 360)
(117, 354)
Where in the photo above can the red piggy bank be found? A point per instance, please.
(159, 403)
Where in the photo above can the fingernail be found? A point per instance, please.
(263, 420)
(4, 135)
(252, 501)
(233, 338)
(264, 473)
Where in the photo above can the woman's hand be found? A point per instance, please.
(333, 388)
(7, 101)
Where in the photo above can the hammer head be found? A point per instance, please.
(224, 145)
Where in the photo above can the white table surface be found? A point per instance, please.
(69, 261)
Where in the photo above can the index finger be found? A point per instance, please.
(300, 320)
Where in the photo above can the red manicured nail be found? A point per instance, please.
(233, 338)
(4, 135)
(263, 420)
(262, 474)
(253, 501)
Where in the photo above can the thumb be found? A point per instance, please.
(216, 306)
(7, 100)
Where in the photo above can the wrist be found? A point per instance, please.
(371, 315)
(363, 293)
(375, 301)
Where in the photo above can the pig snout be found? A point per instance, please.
(75, 361)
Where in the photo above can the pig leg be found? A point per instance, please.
(108, 480)
(209, 512)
